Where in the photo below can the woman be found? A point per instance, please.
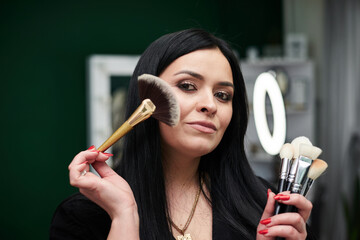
(192, 180)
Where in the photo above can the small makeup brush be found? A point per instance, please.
(158, 101)
(286, 154)
(317, 168)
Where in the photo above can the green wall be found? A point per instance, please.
(43, 50)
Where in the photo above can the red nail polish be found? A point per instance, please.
(91, 148)
(282, 197)
(268, 192)
(265, 221)
(108, 154)
(265, 231)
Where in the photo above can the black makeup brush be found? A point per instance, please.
(158, 101)
(286, 154)
(317, 168)
(306, 154)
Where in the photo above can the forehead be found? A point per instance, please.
(207, 62)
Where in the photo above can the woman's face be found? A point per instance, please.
(203, 84)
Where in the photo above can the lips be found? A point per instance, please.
(202, 126)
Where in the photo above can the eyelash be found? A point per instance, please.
(223, 96)
(185, 85)
(228, 96)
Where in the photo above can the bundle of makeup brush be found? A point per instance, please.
(299, 168)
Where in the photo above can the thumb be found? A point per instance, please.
(270, 206)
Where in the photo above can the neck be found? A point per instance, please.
(180, 171)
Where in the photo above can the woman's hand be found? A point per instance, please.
(109, 191)
(290, 225)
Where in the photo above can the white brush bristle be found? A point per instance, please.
(309, 151)
(160, 93)
(287, 151)
(317, 168)
(315, 153)
(296, 144)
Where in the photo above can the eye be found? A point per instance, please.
(187, 86)
(223, 96)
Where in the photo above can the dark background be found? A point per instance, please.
(44, 46)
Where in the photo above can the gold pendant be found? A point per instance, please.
(184, 237)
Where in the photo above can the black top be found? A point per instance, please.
(77, 217)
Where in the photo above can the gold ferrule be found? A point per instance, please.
(143, 112)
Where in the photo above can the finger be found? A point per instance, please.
(84, 156)
(103, 156)
(285, 231)
(75, 170)
(103, 169)
(292, 219)
(303, 205)
(77, 173)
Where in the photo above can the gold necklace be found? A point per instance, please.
(186, 236)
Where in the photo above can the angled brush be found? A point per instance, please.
(160, 93)
(158, 101)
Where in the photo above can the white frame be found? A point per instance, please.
(100, 70)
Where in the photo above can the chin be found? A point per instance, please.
(201, 149)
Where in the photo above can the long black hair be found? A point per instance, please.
(236, 194)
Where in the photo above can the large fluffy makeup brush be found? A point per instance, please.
(294, 165)
(317, 168)
(296, 144)
(158, 101)
(167, 107)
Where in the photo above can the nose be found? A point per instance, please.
(206, 104)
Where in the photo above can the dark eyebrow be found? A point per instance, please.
(199, 76)
(194, 74)
(226, 84)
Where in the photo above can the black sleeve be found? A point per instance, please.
(79, 218)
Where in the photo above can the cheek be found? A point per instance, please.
(167, 133)
(226, 117)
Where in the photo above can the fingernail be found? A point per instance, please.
(282, 197)
(268, 192)
(91, 148)
(265, 231)
(265, 221)
(86, 162)
(108, 154)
